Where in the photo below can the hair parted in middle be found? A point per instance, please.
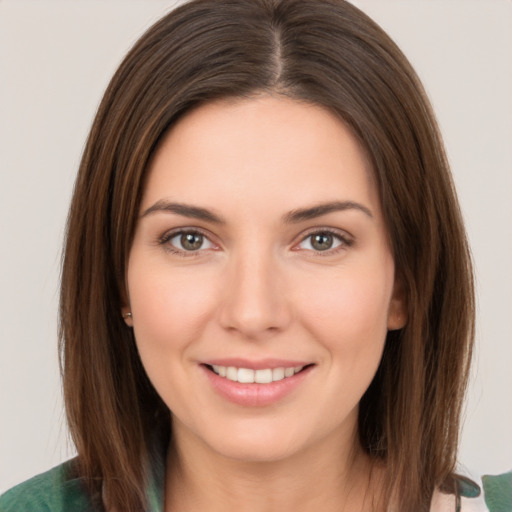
(324, 52)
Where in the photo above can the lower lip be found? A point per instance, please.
(255, 395)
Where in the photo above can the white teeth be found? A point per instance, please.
(263, 376)
(249, 376)
(232, 373)
(278, 374)
(288, 372)
(245, 375)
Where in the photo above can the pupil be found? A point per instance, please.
(191, 241)
(322, 242)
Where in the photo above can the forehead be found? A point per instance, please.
(271, 149)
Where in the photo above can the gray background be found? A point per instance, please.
(56, 58)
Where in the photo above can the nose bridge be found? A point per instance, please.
(254, 300)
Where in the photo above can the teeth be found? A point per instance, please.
(245, 375)
(248, 376)
(231, 373)
(263, 376)
(277, 374)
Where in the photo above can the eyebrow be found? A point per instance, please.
(303, 214)
(185, 210)
(292, 217)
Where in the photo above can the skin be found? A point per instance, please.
(257, 287)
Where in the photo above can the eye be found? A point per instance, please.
(322, 241)
(187, 241)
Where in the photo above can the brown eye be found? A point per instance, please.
(191, 241)
(188, 241)
(322, 241)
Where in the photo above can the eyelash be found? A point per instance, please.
(167, 237)
(345, 242)
(342, 237)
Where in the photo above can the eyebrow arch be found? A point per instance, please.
(303, 214)
(185, 210)
(292, 217)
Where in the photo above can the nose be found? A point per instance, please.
(254, 302)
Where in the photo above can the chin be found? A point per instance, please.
(260, 443)
(257, 452)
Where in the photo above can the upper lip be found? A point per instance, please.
(259, 364)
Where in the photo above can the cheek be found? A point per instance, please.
(352, 301)
(348, 315)
(169, 310)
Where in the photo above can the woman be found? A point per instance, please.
(263, 197)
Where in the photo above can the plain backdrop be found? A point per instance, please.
(56, 58)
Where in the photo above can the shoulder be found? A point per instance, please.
(498, 492)
(489, 493)
(57, 490)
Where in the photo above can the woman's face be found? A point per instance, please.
(261, 254)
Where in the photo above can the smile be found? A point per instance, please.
(249, 376)
(267, 384)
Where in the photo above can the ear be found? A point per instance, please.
(126, 310)
(127, 316)
(397, 312)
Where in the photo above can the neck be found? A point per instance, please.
(318, 478)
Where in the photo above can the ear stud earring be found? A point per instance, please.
(127, 315)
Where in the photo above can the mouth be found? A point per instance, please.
(260, 376)
(267, 384)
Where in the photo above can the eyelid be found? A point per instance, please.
(345, 238)
(172, 233)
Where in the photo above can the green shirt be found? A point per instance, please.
(59, 490)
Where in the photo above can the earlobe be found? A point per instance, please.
(127, 316)
(397, 313)
(126, 311)
(396, 320)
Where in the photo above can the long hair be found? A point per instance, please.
(325, 52)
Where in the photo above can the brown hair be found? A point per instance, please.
(322, 51)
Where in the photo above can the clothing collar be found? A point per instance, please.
(155, 489)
